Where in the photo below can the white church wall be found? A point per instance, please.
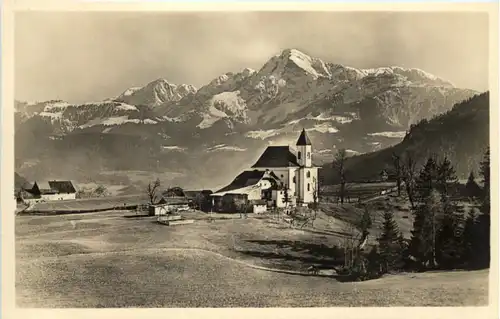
(310, 184)
(301, 185)
(293, 181)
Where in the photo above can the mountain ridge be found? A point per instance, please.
(461, 134)
(167, 125)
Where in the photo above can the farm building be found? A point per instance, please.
(200, 200)
(259, 206)
(51, 191)
(164, 205)
(248, 186)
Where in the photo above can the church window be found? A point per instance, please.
(308, 174)
(308, 187)
(298, 155)
(308, 155)
(294, 180)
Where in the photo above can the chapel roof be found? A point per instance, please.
(277, 156)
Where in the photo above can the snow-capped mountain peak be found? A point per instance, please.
(156, 93)
(295, 62)
(129, 91)
(248, 72)
(290, 87)
(414, 75)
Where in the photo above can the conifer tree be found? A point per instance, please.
(403, 244)
(470, 240)
(483, 220)
(398, 171)
(485, 174)
(423, 240)
(389, 244)
(365, 223)
(422, 244)
(446, 179)
(408, 170)
(448, 247)
(373, 265)
(339, 166)
(448, 240)
(426, 180)
(471, 187)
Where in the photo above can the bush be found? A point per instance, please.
(99, 191)
(366, 267)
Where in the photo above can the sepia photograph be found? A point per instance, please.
(252, 159)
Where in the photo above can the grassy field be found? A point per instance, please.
(352, 213)
(355, 191)
(109, 202)
(107, 260)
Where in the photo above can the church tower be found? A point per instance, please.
(304, 150)
(307, 173)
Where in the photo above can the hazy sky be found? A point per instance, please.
(91, 56)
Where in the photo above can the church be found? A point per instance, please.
(279, 178)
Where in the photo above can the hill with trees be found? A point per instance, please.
(19, 181)
(460, 134)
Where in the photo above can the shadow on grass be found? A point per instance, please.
(320, 256)
(326, 232)
(309, 254)
(137, 216)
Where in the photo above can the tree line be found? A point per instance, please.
(444, 234)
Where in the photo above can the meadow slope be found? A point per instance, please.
(106, 260)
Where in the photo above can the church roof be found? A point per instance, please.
(247, 178)
(277, 156)
(303, 139)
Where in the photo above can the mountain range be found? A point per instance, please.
(203, 137)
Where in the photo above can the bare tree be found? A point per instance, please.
(302, 217)
(20, 196)
(175, 191)
(339, 166)
(315, 204)
(352, 240)
(409, 174)
(200, 202)
(242, 206)
(100, 191)
(396, 162)
(151, 190)
(286, 197)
